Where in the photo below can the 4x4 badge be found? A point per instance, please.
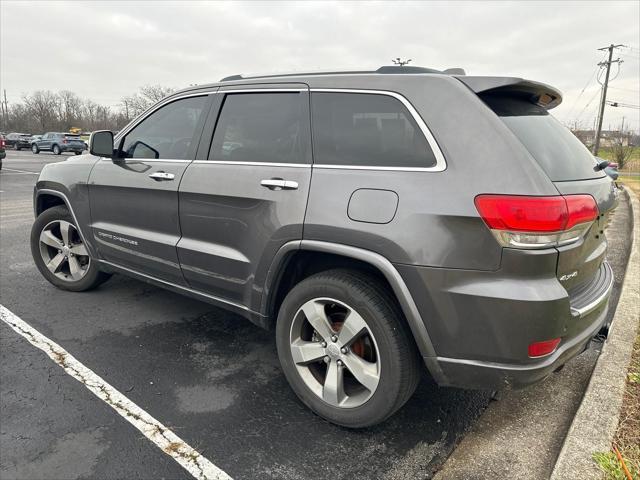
(566, 277)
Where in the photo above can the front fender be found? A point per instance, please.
(68, 181)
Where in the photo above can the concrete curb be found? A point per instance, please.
(596, 420)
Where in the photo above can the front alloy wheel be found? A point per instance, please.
(63, 252)
(60, 254)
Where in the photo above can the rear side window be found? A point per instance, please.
(560, 154)
(263, 127)
(366, 130)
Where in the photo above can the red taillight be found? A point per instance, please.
(581, 209)
(536, 222)
(65, 141)
(613, 164)
(523, 214)
(540, 349)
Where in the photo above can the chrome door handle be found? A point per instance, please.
(279, 184)
(160, 176)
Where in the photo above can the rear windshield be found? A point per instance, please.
(560, 154)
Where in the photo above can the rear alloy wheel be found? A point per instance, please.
(60, 254)
(56, 150)
(335, 353)
(35, 149)
(346, 349)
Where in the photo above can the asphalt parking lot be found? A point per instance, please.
(211, 377)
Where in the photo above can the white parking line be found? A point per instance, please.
(17, 172)
(165, 439)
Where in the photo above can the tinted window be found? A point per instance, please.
(262, 127)
(167, 133)
(366, 130)
(560, 154)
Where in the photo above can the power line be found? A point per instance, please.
(587, 105)
(582, 91)
(614, 103)
(624, 89)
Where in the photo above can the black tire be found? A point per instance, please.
(56, 150)
(93, 276)
(18, 148)
(77, 153)
(398, 354)
(35, 149)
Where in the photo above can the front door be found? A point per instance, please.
(246, 195)
(134, 198)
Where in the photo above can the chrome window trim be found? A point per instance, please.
(253, 164)
(262, 90)
(148, 160)
(440, 165)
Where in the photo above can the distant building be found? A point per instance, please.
(608, 138)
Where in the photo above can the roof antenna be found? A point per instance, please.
(399, 62)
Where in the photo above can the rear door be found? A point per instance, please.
(134, 198)
(246, 194)
(45, 142)
(572, 169)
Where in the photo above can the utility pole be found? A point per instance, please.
(603, 97)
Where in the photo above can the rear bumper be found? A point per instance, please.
(496, 376)
(481, 323)
(72, 148)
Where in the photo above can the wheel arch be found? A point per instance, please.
(300, 259)
(46, 198)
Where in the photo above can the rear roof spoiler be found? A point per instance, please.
(539, 93)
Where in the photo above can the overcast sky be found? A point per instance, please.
(105, 51)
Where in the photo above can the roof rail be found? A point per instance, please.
(390, 69)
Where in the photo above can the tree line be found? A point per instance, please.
(44, 111)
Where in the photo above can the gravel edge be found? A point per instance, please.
(596, 420)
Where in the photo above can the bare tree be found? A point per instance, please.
(44, 111)
(70, 109)
(148, 95)
(43, 106)
(621, 147)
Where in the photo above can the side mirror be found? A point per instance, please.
(101, 143)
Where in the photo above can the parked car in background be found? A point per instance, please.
(18, 140)
(57, 143)
(612, 170)
(23, 141)
(2, 150)
(384, 247)
(35, 137)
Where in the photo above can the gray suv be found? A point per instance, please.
(375, 221)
